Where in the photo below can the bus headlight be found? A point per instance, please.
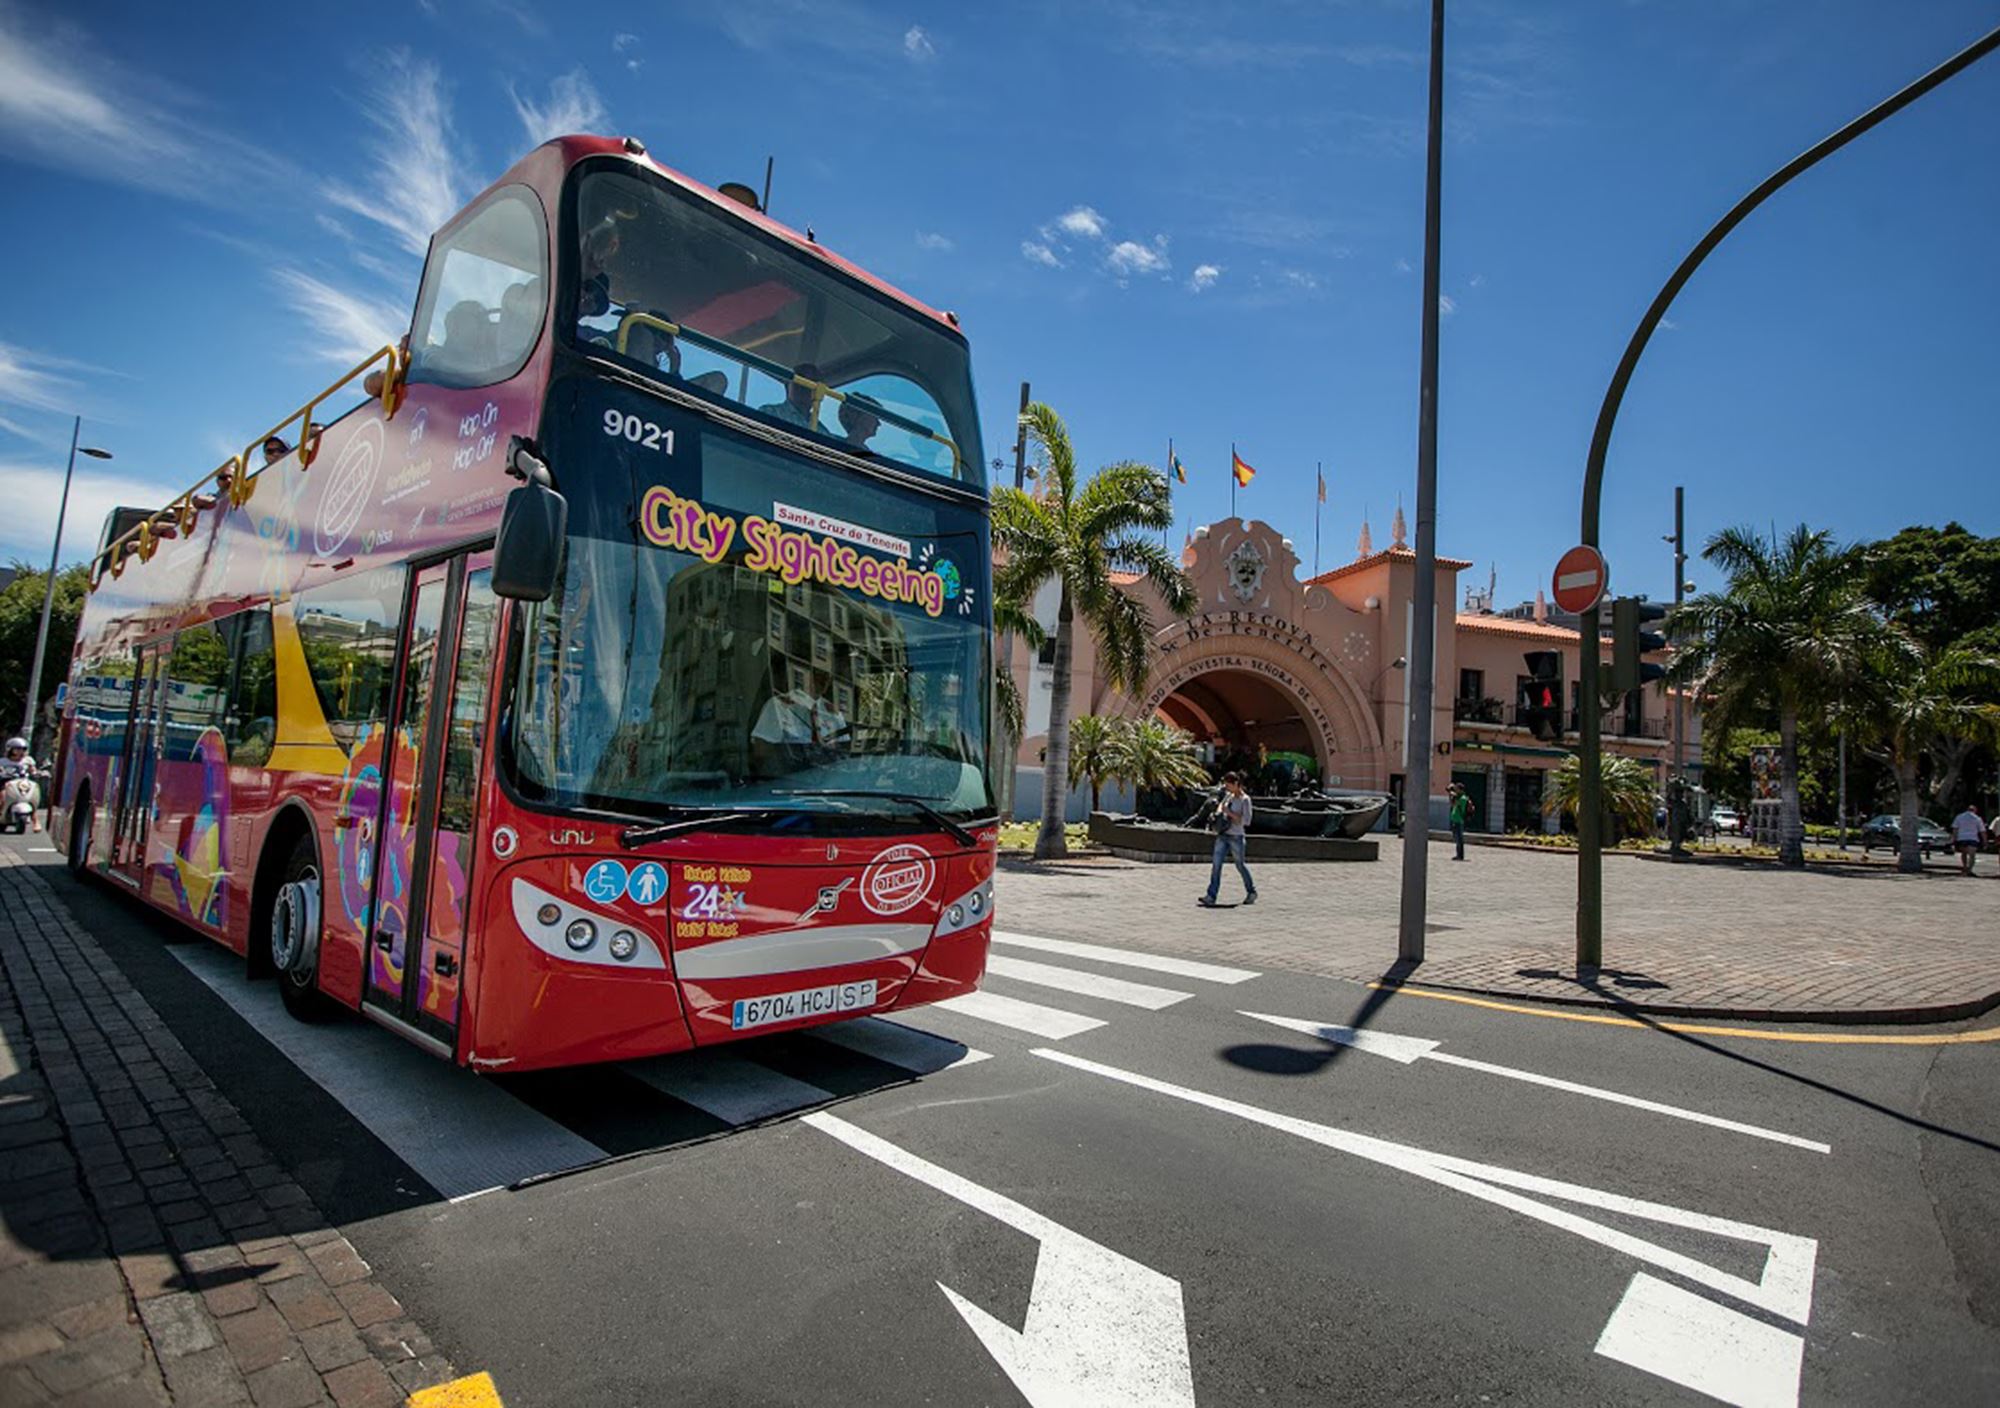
(623, 945)
(549, 914)
(956, 915)
(977, 901)
(580, 935)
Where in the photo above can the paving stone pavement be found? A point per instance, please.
(1752, 942)
(152, 1252)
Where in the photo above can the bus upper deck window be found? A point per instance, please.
(485, 290)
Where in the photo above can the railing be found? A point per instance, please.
(235, 480)
(777, 371)
(1466, 710)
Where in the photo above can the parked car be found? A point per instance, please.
(1725, 821)
(1886, 833)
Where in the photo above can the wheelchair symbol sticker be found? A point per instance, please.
(604, 882)
(649, 882)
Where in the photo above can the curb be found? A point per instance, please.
(1824, 1016)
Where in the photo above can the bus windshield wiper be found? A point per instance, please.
(917, 804)
(694, 819)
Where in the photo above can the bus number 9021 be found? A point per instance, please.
(644, 433)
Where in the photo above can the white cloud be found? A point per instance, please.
(1204, 277)
(1036, 252)
(917, 45)
(942, 244)
(1477, 280)
(1403, 266)
(1301, 279)
(35, 382)
(67, 105)
(35, 490)
(415, 185)
(1081, 222)
(1447, 305)
(344, 326)
(626, 46)
(573, 106)
(1129, 258)
(1669, 325)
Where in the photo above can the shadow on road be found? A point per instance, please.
(1271, 1059)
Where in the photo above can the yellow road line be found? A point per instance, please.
(472, 1391)
(1749, 1033)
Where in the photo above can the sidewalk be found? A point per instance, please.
(1837, 944)
(152, 1252)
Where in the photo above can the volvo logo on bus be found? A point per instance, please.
(897, 879)
(350, 483)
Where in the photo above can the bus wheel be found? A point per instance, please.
(295, 934)
(81, 817)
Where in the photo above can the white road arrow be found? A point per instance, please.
(1101, 1329)
(1408, 1049)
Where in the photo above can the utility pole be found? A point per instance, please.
(49, 591)
(1677, 805)
(1021, 440)
(1590, 788)
(1423, 633)
(1003, 649)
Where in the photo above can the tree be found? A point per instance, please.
(1009, 619)
(1093, 742)
(1154, 756)
(1916, 700)
(20, 619)
(1077, 535)
(1786, 636)
(1627, 792)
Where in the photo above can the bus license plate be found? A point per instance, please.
(811, 1002)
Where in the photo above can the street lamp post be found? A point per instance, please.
(49, 593)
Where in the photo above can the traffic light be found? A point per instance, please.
(1630, 641)
(1541, 702)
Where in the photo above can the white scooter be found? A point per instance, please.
(18, 799)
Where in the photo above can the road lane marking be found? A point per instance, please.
(1691, 1341)
(1179, 967)
(918, 1052)
(1083, 984)
(461, 1134)
(1784, 1287)
(1031, 1017)
(1409, 1049)
(732, 1089)
(1747, 1033)
(1100, 1328)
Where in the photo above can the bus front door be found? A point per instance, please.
(433, 766)
(133, 809)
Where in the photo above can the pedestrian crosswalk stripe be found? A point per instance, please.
(1031, 1017)
(917, 1052)
(1179, 967)
(730, 1088)
(459, 1133)
(1085, 984)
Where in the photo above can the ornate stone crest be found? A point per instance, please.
(1246, 570)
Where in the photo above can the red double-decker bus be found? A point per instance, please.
(615, 679)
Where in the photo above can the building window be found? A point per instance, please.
(1472, 684)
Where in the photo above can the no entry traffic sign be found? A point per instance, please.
(1581, 578)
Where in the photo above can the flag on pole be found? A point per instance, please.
(1243, 472)
(1322, 486)
(1174, 463)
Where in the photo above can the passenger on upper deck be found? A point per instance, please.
(796, 408)
(275, 448)
(859, 419)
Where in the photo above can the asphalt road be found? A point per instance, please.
(1181, 1203)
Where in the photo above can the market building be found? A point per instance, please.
(1306, 678)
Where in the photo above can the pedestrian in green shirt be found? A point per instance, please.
(1461, 808)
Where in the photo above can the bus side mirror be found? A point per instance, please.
(527, 556)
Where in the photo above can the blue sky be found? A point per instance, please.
(1175, 219)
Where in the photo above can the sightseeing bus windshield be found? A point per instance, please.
(717, 307)
(737, 629)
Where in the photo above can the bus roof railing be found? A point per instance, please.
(778, 371)
(233, 478)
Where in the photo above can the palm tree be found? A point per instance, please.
(1093, 742)
(1010, 620)
(1077, 535)
(1154, 756)
(1788, 635)
(1915, 701)
(1627, 791)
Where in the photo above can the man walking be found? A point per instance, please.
(1968, 830)
(1232, 825)
(1461, 808)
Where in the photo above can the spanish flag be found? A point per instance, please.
(1244, 474)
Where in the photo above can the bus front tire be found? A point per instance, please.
(295, 933)
(82, 818)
